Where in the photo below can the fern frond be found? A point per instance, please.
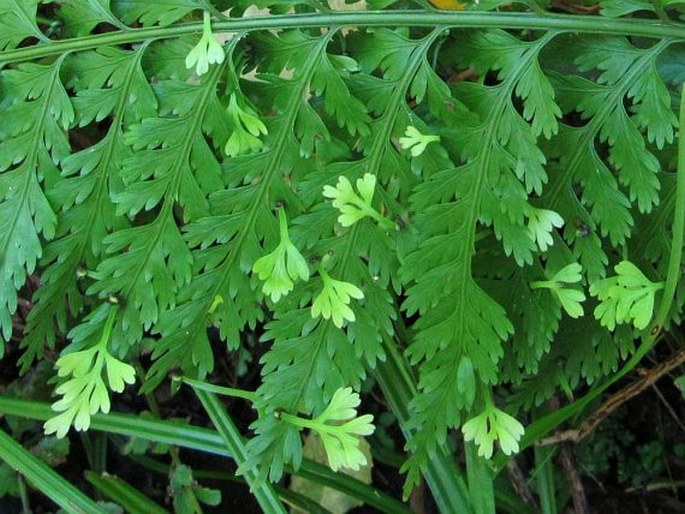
(315, 355)
(626, 73)
(119, 91)
(81, 17)
(18, 23)
(36, 111)
(154, 13)
(229, 240)
(653, 233)
(458, 319)
(535, 323)
(582, 353)
(170, 164)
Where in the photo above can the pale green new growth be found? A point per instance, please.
(334, 299)
(570, 299)
(283, 266)
(493, 425)
(627, 297)
(355, 206)
(416, 141)
(207, 51)
(85, 392)
(541, 224)
(247, 128)
(339, 429)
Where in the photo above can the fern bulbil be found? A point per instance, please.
(493, 192)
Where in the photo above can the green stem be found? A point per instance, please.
(542, 284)
(225, 391)
(107, 332)
(480, 479)
(527, 21)
(206, 24)
(487, 399)
(263, 491)
(375, 215)
(443, 476)
(676, 257)
(297, 421)
(283, 225)
(23, 494)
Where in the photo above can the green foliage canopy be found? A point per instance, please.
(170, 167)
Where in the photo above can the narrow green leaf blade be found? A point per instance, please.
(444, 479)
(480, 480)
(205, 440)
(263, 491)
(545, 480)
(50, 483)
(122, 493)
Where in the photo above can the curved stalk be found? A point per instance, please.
(676, 257)
(447, 20)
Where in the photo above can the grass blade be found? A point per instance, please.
(443, 477)
(480, 479)
(122, 493)
(45, 479)
(545, 479)
(181, 434)
(262, 490)
(289, 497)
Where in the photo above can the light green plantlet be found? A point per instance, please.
(207, 51)
(416, 141)
(626, 297)
(85, 393)
(247, 128)
(283, 266)
(490, 426)
(333, 300)
(339, 429)
(570, 299)
(355, 206)
(541, 222)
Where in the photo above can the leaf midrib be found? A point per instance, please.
(100, 189)
(30, 163)
(412, 18)
(166, 214)
(492, 122)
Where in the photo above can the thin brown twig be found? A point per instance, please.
(669, 408)
(465, 75)
(578, 495)
(656, 486)
(648, 378)
(518, 481)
